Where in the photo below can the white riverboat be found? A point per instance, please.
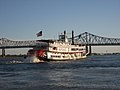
(56, 50)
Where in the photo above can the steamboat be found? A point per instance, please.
(56, 50)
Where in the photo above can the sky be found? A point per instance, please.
(22, 19)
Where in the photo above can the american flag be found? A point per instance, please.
(39, 34)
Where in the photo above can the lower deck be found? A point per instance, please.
(65, 56)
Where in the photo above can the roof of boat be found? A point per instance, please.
(48, 41)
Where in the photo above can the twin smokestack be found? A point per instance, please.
(72, 36)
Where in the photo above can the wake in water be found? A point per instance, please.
(11, 60)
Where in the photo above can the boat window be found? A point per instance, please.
(54, 48)
(55, 56)
(61, 37)
(77, 49)
(81, 49)
(74, 49)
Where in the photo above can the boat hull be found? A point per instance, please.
(63, 57)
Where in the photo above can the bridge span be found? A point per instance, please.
(85, 38)
(6, 44)
(89, 40)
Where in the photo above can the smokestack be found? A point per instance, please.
(72, 37)
(64, 36)
(65, 33)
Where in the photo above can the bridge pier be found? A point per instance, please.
(88, 49)
(3, 52)
(86, 46)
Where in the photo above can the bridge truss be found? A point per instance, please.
(6, 43)
(85, 38)
(91, 39)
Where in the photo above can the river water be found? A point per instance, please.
(93, 73)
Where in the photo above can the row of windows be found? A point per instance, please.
(55, 56)
(76, 55)
(77, 49)
(72, 49)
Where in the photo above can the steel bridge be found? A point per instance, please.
(6, 43)
(85, 38)
(89, 40)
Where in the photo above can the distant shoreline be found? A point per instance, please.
(13, 56)
(105, 54)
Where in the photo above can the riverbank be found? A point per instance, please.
(105, 54)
